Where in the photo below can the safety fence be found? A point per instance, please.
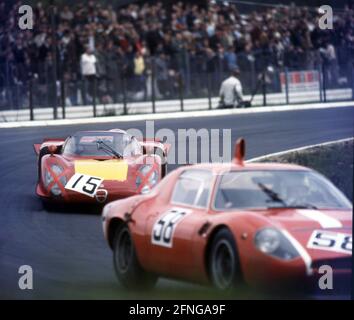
(32, 93)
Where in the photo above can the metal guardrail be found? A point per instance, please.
(164, 106)
(99, 96)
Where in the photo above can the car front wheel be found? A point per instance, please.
(223, 261)
(127, 267)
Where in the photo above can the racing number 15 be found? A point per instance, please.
(84, 184)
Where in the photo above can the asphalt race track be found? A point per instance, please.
(66, 250)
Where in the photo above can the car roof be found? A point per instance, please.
(222, 167)
(115, 131)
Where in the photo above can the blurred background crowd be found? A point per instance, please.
(152, 47)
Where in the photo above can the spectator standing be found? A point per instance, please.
(331, 63)
(113, 72)
(198, 42)
(88, 71)
(162, 75)
(231, 58)
(67, 14)
(139, 69)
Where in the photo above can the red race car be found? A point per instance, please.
(259, 223)
(98, 166)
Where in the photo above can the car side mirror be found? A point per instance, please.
(52, 149)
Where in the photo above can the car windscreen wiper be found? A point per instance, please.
(271, 194)
(105, 147)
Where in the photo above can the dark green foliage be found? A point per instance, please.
(335, 161)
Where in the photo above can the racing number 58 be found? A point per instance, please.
(332, 241)
(163, 229)
(347, 243)
(325, 240)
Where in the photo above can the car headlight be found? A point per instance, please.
(56, 190)
(153, 178)
(145, 169)
(48, 179)
(272, 242)
(57, 169)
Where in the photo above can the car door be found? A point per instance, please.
(171, 230)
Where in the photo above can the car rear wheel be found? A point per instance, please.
(223, 261)
(127, 267)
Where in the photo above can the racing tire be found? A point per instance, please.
(126, 265)
(47, 205)
(223, 261)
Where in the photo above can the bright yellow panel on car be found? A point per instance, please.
(107, 170)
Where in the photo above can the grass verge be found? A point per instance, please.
(335, 161)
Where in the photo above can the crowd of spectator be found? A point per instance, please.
(156, 48)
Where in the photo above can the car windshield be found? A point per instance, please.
(98, 144)
(277, 189)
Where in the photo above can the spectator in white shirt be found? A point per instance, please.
(331, 57)
(231, 95)
(88, 63)
(88, 71)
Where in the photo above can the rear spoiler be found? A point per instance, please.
(37, 148)
(46, 142)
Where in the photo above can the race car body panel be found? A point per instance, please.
(300, 230)
(112, 170)
(173, 228)
(93, 167)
